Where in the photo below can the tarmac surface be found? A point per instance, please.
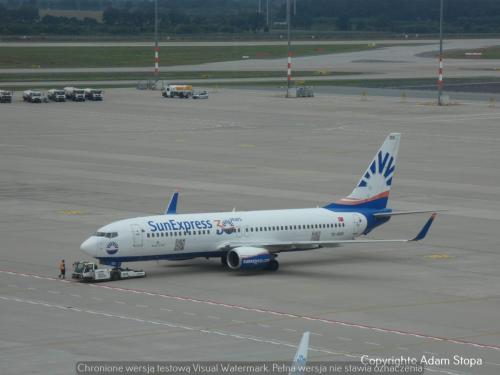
(68, 168)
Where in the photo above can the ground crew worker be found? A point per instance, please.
(62, 269)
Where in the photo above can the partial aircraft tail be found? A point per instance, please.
(300, 358)
(372, 191)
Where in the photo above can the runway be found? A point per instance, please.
(68, 168)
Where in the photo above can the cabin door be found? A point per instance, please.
(137, 235)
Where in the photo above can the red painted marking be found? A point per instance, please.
(348, 200)
(266, 311)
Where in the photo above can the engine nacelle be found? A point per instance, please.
(246, 257)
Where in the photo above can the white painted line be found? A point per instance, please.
(238, 321)
(289, 330)
(371, 343)
(119, 302)
(189, 313)
(268, 311)
(164, 309)
(492, 363)
(75, 295)
(142, 306)
(53, 292)
(264, 325)
(344, 338)
(212, 317)
(316, 334)
(31, 288)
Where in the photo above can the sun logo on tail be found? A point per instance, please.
(382, 167)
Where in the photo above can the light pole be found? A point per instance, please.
(157, 48)
(440, 79)
(267, 13)
(289, 75)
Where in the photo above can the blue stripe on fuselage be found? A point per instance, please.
(181, 256)
(371, 221)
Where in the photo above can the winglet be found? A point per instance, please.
(423, 232)
(172, 206)
(300, 359)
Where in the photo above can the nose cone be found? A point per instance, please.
(89, 246)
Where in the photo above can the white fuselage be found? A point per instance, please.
(206, 234)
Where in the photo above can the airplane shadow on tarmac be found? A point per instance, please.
(288, 267)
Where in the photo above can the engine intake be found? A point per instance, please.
(244, 258)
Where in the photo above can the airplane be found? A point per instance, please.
(300, 359)
(253, 239)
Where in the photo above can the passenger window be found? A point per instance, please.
(148, 235)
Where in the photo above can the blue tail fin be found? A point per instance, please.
(372, 190)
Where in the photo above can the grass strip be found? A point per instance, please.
(97, 57)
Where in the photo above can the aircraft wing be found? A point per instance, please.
(278, 246)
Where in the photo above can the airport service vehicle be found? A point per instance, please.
(32, 96)
(56, 95)
(5, 96)
(253, 239)
(89, 271)
(93, 94)
(75, 94)
(181, 91)
(200, 95)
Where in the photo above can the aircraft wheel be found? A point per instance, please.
(115, 275)
(223, 260)
(273, 265)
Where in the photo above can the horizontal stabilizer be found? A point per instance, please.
(396, 213)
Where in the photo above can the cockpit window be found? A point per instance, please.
(106, 234)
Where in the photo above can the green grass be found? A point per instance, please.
(36, 77)
(487, 53)
(396, 83)
(95, 57)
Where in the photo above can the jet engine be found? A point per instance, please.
(247, 257)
